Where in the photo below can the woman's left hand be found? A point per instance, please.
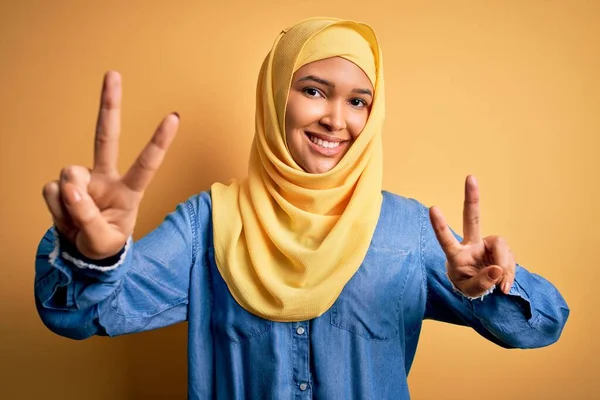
(476, 264)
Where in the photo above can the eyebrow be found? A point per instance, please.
(331, 85)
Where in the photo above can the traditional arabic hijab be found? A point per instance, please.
(287, 241)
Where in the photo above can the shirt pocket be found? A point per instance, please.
(369, 305)
(230, 320)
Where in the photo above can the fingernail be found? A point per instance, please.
(494, 274)
(77, 195)
(74, 196)
(507, 286)
(176, 114)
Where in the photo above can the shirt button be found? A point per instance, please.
(303, 386)
(300, 330)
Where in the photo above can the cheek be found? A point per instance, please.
(356, 123)
(301, 112)
(294, 121)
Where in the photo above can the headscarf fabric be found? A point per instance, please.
(286, 241)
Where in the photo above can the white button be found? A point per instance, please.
(300, 330)
(303, 386)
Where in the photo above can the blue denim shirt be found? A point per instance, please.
(361, 348)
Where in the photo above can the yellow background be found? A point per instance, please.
(506, 90)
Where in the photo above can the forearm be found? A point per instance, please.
(146, 288)
(532, 315)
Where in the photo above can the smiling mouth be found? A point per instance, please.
(324, 143)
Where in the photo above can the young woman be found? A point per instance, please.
(303, 280)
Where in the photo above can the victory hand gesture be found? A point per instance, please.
(474, 265)
(96, 209)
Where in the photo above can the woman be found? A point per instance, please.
(305, 279)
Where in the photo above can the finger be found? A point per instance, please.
(145, 166)
(498, 248)
(471, 211)
(447, 240)
(82, 210)
(510, 278)
(106, 144)
(482, 282)
(77, 175)
(501, 256)
(51, 193)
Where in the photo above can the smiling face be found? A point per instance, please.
(328, 107)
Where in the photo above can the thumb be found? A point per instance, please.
(483, 281)
(493, 273)
(78, 204)
(86, 215)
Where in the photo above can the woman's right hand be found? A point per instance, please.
(96, 209)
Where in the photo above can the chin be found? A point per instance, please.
(320, 168)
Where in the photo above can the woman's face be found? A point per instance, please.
(328, 106)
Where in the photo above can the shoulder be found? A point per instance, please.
(400, 221)
(198, 208)
(395, 206)
(199, 205)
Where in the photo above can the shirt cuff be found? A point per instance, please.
(70, 253)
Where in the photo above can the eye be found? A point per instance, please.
(358, 103)
(312, 92)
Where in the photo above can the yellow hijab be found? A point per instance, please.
(286, 241)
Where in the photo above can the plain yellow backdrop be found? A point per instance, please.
(506, 90)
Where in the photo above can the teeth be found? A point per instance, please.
(323, 143)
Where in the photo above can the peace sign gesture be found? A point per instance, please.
(96, 209)
(474, 265)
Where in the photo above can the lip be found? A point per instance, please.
(322, 150)
(325, 137)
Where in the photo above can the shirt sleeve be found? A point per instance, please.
(144, 287)
(532, 315)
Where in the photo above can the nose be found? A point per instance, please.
(334, 119)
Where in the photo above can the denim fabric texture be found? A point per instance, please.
(361, 348)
